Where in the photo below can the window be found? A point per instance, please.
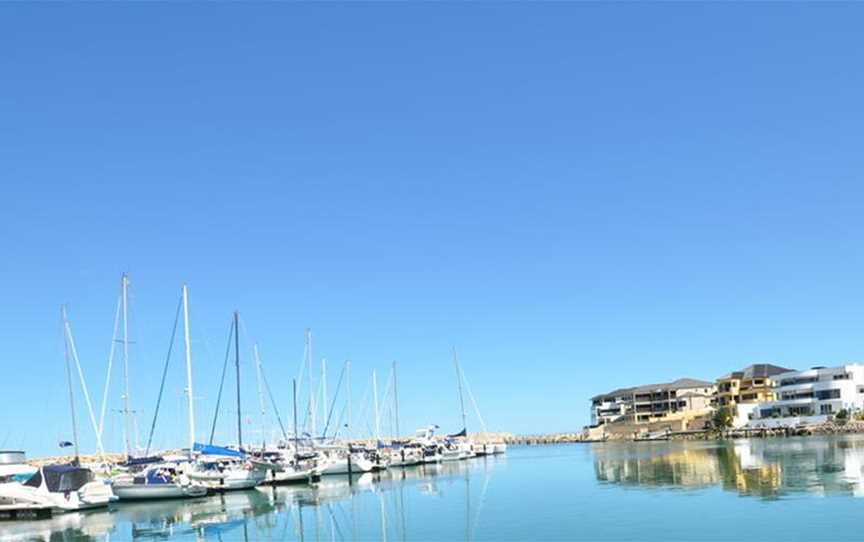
(823, 395)
(825, 409)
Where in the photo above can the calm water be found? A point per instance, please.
(783, 489)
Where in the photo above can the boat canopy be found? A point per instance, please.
(62, 478)
(209, 449)
(138, 461)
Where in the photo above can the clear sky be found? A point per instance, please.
(576, 196)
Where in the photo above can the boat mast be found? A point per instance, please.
(324, 392)
(188, 344)
(69, 381)
(260, 396)
(375, 395)
(311, 407)
(126, 420)
(395, 399)
(296, 436)
(348, 376)
(237, 372)
(461, 398)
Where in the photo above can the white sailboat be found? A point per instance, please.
(287, 465)
(163, 480)
(221, 468)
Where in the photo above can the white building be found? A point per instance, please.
(811, 396)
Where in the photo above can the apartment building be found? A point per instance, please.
(752, 384)
(653, 402)
(817, 392)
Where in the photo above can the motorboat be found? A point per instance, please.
(500, 447)
(14, 467)
(58, 488)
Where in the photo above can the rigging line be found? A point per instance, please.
(222, 382)
(164, 375)
(110, 364)
(74, 353)
(333, 403)
(339, 421)
(383, 401)
(473, 402)
(273, 401)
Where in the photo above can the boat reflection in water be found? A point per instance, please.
(368, 506)
(765, 468)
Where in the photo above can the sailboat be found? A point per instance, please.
(402, 453)
(162, 479)
(222, 468)
(287, 465)
(60, 488)
(457, 446)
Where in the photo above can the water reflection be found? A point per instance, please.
(368, 506)
(765, 468)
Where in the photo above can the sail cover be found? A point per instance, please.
(462, 433)
(208, 449)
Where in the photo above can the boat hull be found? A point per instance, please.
(138, 492)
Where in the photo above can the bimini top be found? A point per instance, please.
(61, 478)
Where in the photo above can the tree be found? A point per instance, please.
(841, 416)
(722, 418)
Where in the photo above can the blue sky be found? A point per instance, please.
(576, 196)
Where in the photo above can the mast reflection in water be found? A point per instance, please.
(370, 506)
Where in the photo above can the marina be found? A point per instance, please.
(782, 489)
(306, 456)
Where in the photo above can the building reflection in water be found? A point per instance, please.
(331, 509)
(764, 468)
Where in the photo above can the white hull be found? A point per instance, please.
(158, 491)
(18, 497)
(229, 480)
(501, 448)
(340, 466)
(454, 455)
(288, 476)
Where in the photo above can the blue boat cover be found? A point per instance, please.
(136, 461)
(154, 477)
(208, 449)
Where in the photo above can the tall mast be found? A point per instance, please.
(69, 381)
(375, 395)
(260, 396)
(312, 407)
(188, 344)
(127, 431)
(396, 399)
(296, 436)
(348, 375)
(237, 371)
(324, 390)
(461, 398)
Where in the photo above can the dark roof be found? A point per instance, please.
(681, 383)
(757, 370)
